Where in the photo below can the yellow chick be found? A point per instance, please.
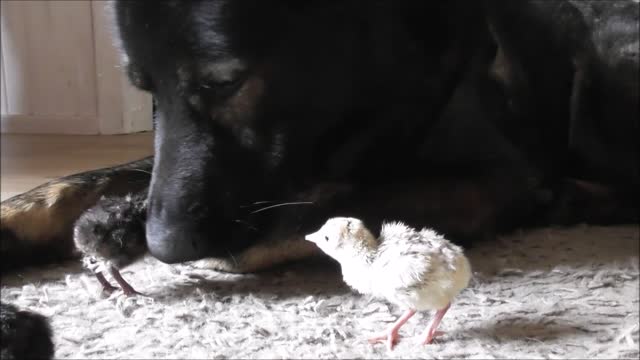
(417, 270)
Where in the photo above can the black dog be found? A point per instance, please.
(471, 117)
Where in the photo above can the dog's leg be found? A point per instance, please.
(36, 226)
(263, 255)
(465, 208)
(580, 201)
(285, 244)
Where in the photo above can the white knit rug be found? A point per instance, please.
(550, 293)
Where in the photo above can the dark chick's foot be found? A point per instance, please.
(107, 288)
(127, 289)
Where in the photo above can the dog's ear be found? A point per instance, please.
(293, 6)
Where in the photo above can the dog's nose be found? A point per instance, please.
(174, 243)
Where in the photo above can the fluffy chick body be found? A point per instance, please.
(414, 269)
(417, 270)
(111, 235)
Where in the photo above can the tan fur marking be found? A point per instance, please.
(55, 192)
(500, 68)
(262, 256)
(32, 222)
(240, 106)
(245, 99)
(40, 214)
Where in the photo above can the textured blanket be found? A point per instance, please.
(548, 293)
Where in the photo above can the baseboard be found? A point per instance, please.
(33, 124)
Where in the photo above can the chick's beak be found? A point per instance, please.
(312, 237)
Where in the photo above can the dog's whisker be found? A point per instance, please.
(282, 204)
(142, 171)
(247, 224)
(233, 258)
(256, 203)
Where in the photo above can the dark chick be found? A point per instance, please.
(111, 235)
(24, 334)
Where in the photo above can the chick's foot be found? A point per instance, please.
(127, 289)
(390, 337)
(429, 337)
(107, 288)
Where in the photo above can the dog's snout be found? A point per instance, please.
(173, 244)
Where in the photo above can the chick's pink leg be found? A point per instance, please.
(124, 285)
(391, 335)
(431, 333)
(106, 286)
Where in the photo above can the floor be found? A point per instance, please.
(27, 161)
(552, 293)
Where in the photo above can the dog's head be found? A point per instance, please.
(232, 87)
(257, 99)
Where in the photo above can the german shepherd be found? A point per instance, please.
(469, 117)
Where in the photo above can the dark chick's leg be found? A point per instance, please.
(37, 226)
(106, 286)
(124, 285)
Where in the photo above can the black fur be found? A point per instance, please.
(264, 100)
(470, 117)
(24, 334)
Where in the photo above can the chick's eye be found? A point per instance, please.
(326, 238)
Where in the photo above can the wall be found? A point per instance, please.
(60, 72)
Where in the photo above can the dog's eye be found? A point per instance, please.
(221, 89)
(220, 84)
(222, 77)
(326, 238)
